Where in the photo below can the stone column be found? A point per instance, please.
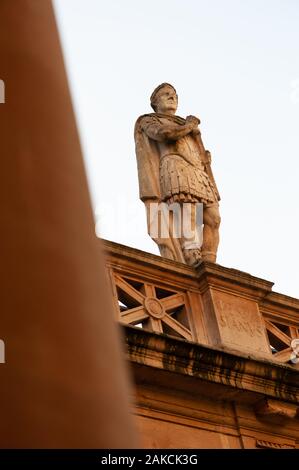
(63, 383)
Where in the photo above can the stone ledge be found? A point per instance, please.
(224, 308)
(212, 366)
(144, 258)
(267, 298)
(205, 268)
(215, 274)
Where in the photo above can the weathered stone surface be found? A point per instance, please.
(193, 396)
(212, 380)
(211, 304)
(235, 322)
(276, 411)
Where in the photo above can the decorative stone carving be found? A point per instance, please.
(154, 307)
(236, 322)
(174, 171)
(272, 445)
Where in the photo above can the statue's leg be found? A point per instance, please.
(211, 220)
(160, 230)
(191, 239)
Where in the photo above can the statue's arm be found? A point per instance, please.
(164, 132)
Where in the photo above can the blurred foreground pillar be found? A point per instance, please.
(63, 383)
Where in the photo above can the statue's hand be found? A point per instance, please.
(192, 121)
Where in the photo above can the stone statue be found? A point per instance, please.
(174, 169)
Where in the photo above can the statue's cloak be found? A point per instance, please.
(148, 158)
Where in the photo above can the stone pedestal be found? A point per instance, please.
(231, 309)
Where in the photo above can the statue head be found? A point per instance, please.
(164, 99)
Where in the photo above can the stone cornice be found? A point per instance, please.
(214, 275)
(144, 258)
(239, 373)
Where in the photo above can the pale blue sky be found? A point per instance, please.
(235, 65)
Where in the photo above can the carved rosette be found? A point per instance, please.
(154, 307)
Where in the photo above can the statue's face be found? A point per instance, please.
(166, 101)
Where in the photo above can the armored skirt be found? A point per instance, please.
(180, 181)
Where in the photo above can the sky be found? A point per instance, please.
(235, 65)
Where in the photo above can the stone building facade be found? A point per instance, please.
(209, 351)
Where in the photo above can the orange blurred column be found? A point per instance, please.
(64, 383)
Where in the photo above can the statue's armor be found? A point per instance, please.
(182, 173)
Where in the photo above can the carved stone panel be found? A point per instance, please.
(239, 323)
